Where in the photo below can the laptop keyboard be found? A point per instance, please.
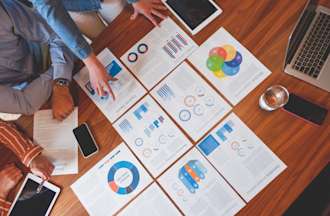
(316, 48)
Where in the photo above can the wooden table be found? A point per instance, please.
(263, 26)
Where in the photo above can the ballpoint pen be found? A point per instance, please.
(40, 186)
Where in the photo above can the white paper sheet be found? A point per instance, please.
(57, 139)
(197, 188)
(238, 75)
(158, 53)
(127, 89)
(111, 183)
(241, 157)
(152, 202)
(194, 105)
(152, 136)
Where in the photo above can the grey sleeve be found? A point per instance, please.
(29, 100)
(32, 27)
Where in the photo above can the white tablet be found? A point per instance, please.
(29, 202)
(194, 14)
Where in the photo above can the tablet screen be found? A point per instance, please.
(31, 203)
(192, 12)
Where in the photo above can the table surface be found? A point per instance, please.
(263, 27)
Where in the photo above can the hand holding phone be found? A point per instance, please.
(87, 144)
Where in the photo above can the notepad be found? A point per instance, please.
(57, 140)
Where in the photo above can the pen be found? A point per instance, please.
(40, 186)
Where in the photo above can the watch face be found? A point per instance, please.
(62, 82)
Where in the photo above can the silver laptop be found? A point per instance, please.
(307, 56)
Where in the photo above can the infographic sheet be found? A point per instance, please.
(152, 202)
(241, 157)
(152, 135)
(158, 53)
(194, 105)
(229, 66)
(198, 189)
(127, 89)
(111, 183)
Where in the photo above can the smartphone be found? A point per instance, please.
(305, 109)
(86, 141)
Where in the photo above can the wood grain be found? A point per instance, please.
(263, 27)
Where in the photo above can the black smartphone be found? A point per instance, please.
(305, 109)
(85, 140)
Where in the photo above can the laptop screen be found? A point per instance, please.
(300, 29)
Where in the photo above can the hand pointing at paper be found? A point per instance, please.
(150, 9)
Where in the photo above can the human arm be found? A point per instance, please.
(10, 176)
(28, 152)
(149, 8)
(28, 100)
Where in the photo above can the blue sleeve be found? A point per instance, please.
(60, 21)
(132, 1)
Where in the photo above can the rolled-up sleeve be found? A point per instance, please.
(28, 100)
(60, 21)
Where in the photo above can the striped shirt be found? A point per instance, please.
(22, 147)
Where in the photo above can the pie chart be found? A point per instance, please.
(123, 177)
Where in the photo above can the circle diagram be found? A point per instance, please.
(200, 91)
(127, 180)
(224, 61)
(209, 101)
(138, 142)
(198, 110)
(185, 115)
(189, 100)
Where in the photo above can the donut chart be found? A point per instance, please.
(224, 61)
(135, 177)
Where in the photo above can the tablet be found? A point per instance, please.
(194, 14)
(29, 202)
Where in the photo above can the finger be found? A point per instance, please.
(159, 14)
(107, 87)
(135, 14)
(159, 7)
(113, 79)
(152, 19)
(100, 91)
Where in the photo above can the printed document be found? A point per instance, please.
(57, 140)
(158, 53)
(241, 157)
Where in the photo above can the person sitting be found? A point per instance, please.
(29, 155)
(34, 63)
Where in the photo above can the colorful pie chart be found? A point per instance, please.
(127, 171)
(224, 61)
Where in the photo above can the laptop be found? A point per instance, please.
(307, 56)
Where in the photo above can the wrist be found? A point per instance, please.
(61, 82)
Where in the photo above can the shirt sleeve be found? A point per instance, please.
(28, 100)
(30, 26)
(4, 207)
(60, 21)
(20, 144)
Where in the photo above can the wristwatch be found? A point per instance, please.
(62, 82)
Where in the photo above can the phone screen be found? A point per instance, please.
(306, 109)
(85, 140)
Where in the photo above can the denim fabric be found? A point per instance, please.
(55, 12)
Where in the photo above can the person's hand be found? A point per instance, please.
(150, 9)
(62, 102)
(42, 167)
(9, 178)
(98, 76)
